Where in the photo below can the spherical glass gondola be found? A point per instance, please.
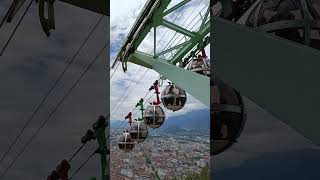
(125, 142)
(139, 131)
(228, 116)
(173, 97)
(200, 65)
(296, 20)
(154, 116)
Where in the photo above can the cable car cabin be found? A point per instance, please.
(173, 97)
(227, 116)
(154, 116)
(200, 65)
(139, 131)
(296, 20)
(125, 142)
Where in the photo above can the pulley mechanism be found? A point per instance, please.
(14, 8)
(47, 23)
(156, 89)
(61, 171)
(98, 133)
(129, 116)
(154, 114)
(140, 103)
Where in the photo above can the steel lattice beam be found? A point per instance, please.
(152, 16)
(195, 84)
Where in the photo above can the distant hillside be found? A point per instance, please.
(297, 165)
(195, 120)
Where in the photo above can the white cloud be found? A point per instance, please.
(122, 18)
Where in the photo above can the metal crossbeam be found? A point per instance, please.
(279, 75)
(176, 7)
(177, 28)
(188, 80)
(152, 16)
(174, 48)
(198, 40)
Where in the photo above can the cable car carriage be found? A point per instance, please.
(139, 131)
(125, 142)
(200, 64)
(296, 20)
(154, 114)
(173, 97)
(228, 116)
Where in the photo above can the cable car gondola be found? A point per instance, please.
(139, 130)
(228, 116)
(173, 97)
(154, 116)
(296, 20)
(200, 64)
(125, 142)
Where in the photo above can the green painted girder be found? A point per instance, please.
(205, 18)
(149, 17)
(177, 6)
(195, 84)
(197, 40)
(152, 16)
(173, 48)
(178, 29)
(279, 75)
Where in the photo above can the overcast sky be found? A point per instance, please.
(122, 19)
(29, 67)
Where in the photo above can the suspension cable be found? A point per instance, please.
(125, 91)
(116, 130)
(16, 28)
(180, 34)
(146, 156)
(182, 25)
(176, 17)
(53, 112)
(79, 168)
(77, 151)
(49, 92)
(6, 16)
(131, 90)
(114, 71)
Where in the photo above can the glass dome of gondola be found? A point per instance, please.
(200, 65)
(295, 20)
(139, 131)
(125, 142)
(173, 97)
(154, 116)
(228, 116)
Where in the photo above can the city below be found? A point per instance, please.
(163, 155)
